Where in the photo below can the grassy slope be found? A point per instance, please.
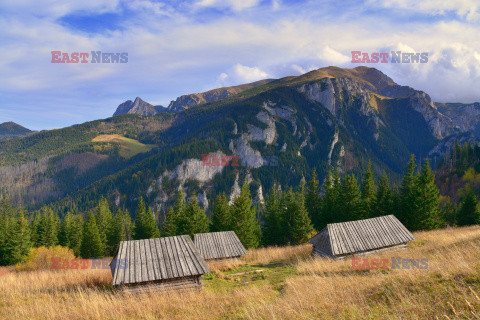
(128, 147)
(272, 283)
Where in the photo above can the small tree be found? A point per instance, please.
(469, 212)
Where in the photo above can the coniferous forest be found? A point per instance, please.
(286, 217)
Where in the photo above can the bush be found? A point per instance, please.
(41, 258)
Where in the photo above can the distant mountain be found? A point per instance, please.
(139, 107)
(276, 130)
(12, 129)
(190, 100)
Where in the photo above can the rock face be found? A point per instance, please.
(139, 107)
(190, 100)
(465, 116)
(330, 91)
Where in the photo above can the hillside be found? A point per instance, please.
(273, 283)
(330, 118)
(12, 129)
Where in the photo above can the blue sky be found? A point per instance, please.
(182, 47)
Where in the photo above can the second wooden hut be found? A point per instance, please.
(219, 245)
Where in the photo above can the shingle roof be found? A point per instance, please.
(218, 245)
(361, 235)
(157, 259)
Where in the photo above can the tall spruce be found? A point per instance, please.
(245, 224)
(145, 223)
(407, 196)
(104, 223)
(174, 214)
(75, 234)
(426, 200)
(312, 200)
(14, 233)
(92, 245)
(17, 244)
(331, 200)
(299, 223)
(272, 232)
(64, 233)
(384, 199)
(350, 204)
(45, 228)
(119, 231)
(222, 216)
(368, 196)
(194, 220)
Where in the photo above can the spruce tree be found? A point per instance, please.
(75, 234)
(350, 204)
(173, 218)
(312, 201)
(119, 230)
(426, 200)
(194, 220)
(407, 196)
(104, 222)
(468, 212)
(222, 217)
(368, 195)
(45, 228)
(330, 201)
(65, 227)
(272, 226)
(151, 227)
(92, 246)
(299, 223)
(245, 224)
(145, 223)
(170, 227)
(17, 243)
(385, 199)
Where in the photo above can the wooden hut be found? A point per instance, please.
(361, 236)
(171, 262)
(219, 245)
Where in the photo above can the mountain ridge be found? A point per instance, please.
(330, 118)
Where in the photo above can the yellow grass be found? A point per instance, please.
(128, 147)
(318, 289)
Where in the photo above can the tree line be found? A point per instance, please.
(287, 217)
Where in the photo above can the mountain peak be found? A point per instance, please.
(139, 107)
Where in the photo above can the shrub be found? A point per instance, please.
(41, 258)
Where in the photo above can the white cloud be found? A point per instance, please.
(248, 74)
(173, 56)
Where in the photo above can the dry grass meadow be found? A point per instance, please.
(272, 283)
